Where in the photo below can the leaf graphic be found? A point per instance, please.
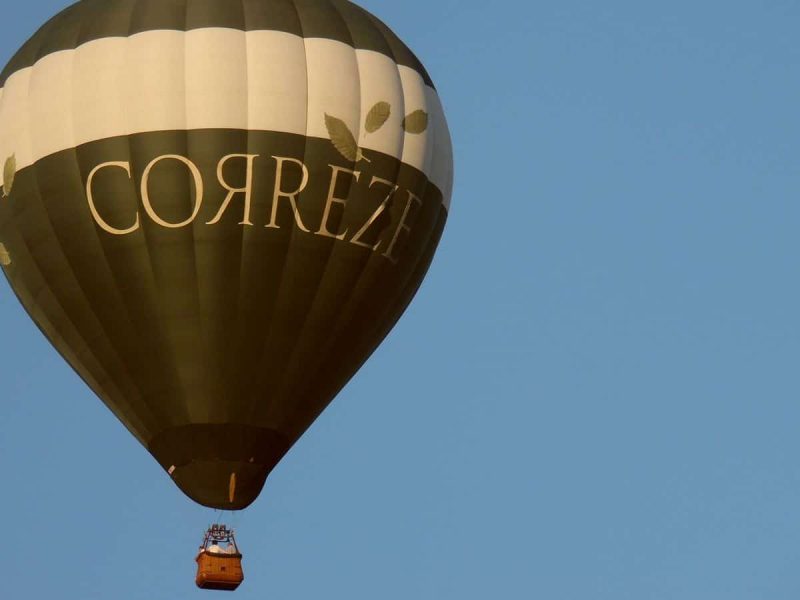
(377, 116)
(416, 122)
(5, 257)
(9, 170)
(342, 138)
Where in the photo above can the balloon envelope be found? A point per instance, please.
(216, 210)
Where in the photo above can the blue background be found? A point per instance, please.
(594, 395)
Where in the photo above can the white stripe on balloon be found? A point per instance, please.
(173, 80)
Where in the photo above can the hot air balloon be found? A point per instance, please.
(216, 210)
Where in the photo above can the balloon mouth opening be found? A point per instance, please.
(221, 484)
(222, 466)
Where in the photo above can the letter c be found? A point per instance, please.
(98, 219)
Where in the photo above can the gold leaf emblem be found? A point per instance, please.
(9, 170)
(343, 139)
(416, 122)
(5, 257)
(377, 116)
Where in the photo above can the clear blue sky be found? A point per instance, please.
(595, 394)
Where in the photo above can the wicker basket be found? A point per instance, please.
(219, 571)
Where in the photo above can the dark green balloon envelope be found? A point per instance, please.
(257, 319)
(217, 286)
